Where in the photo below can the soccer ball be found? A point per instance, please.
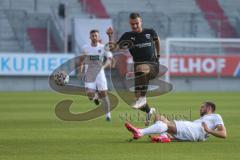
(61, 78)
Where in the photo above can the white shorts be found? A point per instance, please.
(99, 84)
(189, 131)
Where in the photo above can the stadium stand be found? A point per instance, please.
(95, 8)
(232, 11)
(38, 37)
(8, 40)
(217, 19)
(230, 8)
(184, 19)
(42, 6)
(24, 20)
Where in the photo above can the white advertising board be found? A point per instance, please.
(31, 64)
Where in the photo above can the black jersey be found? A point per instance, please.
(142, 46)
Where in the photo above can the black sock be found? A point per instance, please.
(144, 89)
(145, 108)
(141, 83)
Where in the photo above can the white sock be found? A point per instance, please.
(108, 115)
(156, 128)
(164, 134)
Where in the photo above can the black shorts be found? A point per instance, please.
(154, 68)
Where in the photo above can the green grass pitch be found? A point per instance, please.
(29, 129)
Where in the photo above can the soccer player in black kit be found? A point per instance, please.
(144, 46)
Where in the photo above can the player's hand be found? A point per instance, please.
(205, 127)
(111, 44)
(109, 31)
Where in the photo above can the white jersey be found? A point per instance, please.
(95, 56)
(212, 120)
(94, 72)
(193, 131)
(97, 51)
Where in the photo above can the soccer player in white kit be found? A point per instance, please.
(92, 60)
(209, 123)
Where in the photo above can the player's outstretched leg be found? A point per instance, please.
(134, 130)
(158, 127)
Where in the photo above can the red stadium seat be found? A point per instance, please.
(38, 37)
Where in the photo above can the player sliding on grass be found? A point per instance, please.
(95, 79)
(209, 123)
(144, 46)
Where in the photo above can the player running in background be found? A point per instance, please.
(92, 60)
(144, 46)
(209, 123)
